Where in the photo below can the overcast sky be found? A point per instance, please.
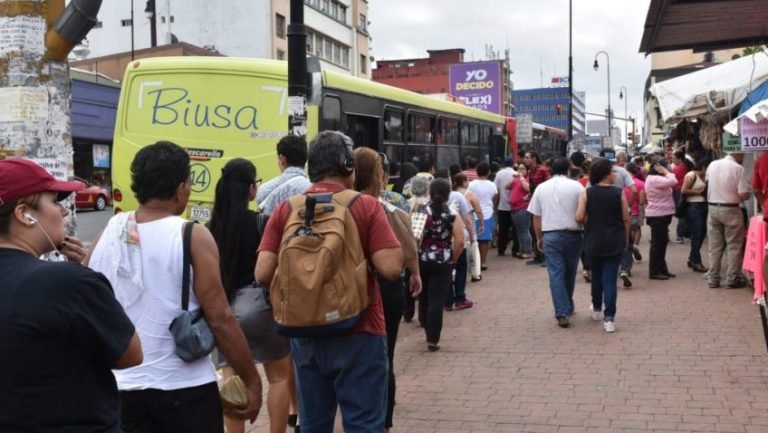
(536, 33)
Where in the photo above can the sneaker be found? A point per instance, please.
(636, 253)
(463, 305)
(738, 284)
(433, 347)
(627, 282)
(679, 240)
(714, 284)
(609, 327)
(448, 308)
(534, 262)
(562, 321)
(597, 315)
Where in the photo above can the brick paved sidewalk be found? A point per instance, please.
(685, 358)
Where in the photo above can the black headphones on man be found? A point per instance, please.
(346, 160)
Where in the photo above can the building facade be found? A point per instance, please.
(549, 106)
(431, 75)
(337, 29)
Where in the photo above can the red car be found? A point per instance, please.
(93, 197)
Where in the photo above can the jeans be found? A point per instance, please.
(392, 299)
(628, 259)
(457, 292)
(435, 282)
(505, 224)
(604, 273)
(186, 410)
(725, 229)
(522, 221)
(657, 262)
(562, 249)
(696, 216)
(350, 372)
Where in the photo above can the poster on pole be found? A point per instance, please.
(754, 136)
(524, 128)
(479, 85)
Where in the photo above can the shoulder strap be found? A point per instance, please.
(261, 224)
(346, 198)
(187, 246)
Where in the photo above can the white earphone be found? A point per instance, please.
(31, 219)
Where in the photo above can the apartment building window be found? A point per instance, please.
(126, 23)
(98, 25)
(163, 20)
(330, 8)
(363, 64)
(363, 26)
(280, 26)
(280, 55)
(327, 49)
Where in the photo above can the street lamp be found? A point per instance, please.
(622, 92)
(151, 13)
(570, 71)
(597, 66)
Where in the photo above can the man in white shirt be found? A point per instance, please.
(727, 187)
(503, 212)
(553, 206)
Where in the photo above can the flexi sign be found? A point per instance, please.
(479, 85)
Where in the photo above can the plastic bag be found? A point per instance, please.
(473, 260)
(233, 395)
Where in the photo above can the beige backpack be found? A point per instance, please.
(320, 288)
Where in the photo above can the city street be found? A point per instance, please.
(685, 358)
(90, 223)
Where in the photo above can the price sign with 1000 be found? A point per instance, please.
(754, 136)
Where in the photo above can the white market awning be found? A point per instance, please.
(715, 89)
(757, 113)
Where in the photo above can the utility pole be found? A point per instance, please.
(151, 13)
(570, 70)
(297, 71)
(36, 37)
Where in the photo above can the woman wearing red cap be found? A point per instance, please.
(62, 328)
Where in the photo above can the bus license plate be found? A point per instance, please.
(200, 213)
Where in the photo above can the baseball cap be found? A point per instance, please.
(608, 154)
(21, 177)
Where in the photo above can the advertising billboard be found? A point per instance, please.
(479, 85)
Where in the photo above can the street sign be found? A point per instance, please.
(524, 128)
(754, 136)
(731, 143)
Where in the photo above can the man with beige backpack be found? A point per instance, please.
(314, 257)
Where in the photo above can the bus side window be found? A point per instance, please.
(331, 114)
(393, 125)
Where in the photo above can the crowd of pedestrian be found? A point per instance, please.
(382, 254)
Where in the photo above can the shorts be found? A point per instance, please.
(487, 234)
(258, 324)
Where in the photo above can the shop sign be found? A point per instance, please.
(754, 136)
(731, 143)
(101, 156)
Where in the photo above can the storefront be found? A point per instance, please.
(94, 106)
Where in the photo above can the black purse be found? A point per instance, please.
(681, 207)
(190, 331)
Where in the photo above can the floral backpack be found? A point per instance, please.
(436, 245)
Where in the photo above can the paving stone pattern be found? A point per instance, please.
(684, 358)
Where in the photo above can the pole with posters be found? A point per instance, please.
(35, 40)
(297, 71)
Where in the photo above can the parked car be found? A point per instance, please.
(92, 197)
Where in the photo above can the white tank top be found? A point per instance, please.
(161, 261)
